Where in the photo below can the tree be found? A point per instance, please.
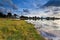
(9, 15)
(2, 15)
(15, 15)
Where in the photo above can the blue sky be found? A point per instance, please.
(26, 7)
(29, 3)
(21, 4)
(17, 6)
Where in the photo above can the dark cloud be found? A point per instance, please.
(47, 11)
(52, 3)
(9, 2)
(2, 9)
(15, 7)
(26, 10)
(1, 4)
(56, 9)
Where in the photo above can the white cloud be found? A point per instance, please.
(51, 11)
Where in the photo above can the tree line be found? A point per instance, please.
(38, 18)
(8, 15)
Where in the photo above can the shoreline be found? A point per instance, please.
(18, 29)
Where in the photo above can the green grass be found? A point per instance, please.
(18, 30)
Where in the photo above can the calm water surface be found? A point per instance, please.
(47, 28)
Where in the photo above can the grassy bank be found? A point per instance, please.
(17, 30)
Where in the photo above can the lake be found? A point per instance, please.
(49, 29)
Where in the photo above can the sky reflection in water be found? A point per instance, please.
(47, 28)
